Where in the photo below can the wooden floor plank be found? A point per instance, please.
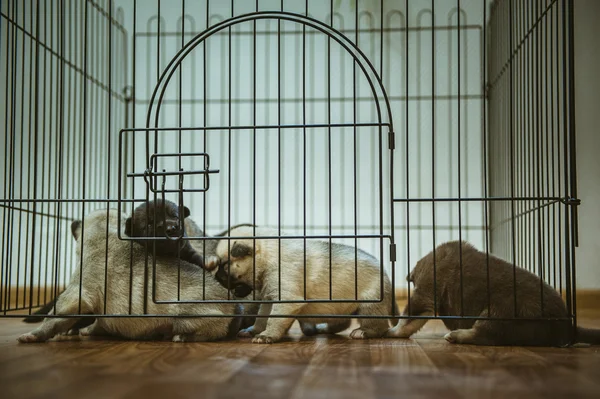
(548, 377)
(273, 373)
(300, 367)
(340, 367)
(472, 373)
(402, 369)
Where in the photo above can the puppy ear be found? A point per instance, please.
(186, 212)
(128, 227)
(240, 250)
(76, 229)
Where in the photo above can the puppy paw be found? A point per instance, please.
(309, 330)
(211, 262)
(246, 333)
(362, 333)
(87, 331)
(189, 338)
(451, 337)
(358, 334)
(262, 339)
(178, 338)
(29, 338)
(398, 333)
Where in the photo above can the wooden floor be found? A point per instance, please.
(321, 367)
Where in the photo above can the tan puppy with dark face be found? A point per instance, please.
(117, 296)
(475, 301)
(263, 254)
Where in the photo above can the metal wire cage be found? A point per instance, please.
(387, 126)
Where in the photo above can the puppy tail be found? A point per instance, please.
(225, 232)
(588, 336)
(44, 310)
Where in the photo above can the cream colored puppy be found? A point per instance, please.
(257, 264)
(118, 299)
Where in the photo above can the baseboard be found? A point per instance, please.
(401, 294)
(19, 297)
(586, 298)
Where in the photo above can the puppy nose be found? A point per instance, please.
(172, 230)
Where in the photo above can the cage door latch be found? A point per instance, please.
(571, 201)
(392, 140)
(152, 174)
(392, 252)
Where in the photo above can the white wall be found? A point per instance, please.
(43, 261)
(415, 122)
(48, 108)
(431, 120)
(587, 104)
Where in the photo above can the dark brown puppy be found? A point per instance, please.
(164, 221)
(502, 293)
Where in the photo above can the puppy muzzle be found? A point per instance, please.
(240, 289)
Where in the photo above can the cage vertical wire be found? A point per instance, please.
(531, 129)
(51, 70)
(365, 66)
(480, 92)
